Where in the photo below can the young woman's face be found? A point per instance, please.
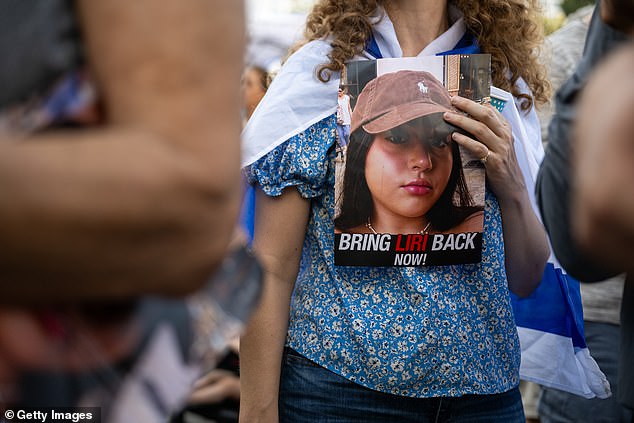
(407, 172)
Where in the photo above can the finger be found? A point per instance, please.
(475, 147)
(495, 111)
(484, 113)
(504, 124)
(474, 127)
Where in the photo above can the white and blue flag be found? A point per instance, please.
(550, 321)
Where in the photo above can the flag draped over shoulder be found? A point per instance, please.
(550, 321)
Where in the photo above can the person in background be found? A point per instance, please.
(387, 344)
(255, 82)
(344, 117)
(216, 395)
(601, 300)
(561, 54)
(603, 218)
(610, 27)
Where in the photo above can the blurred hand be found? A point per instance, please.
(216, 386)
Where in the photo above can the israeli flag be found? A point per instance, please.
(550, 321)
(550, 327)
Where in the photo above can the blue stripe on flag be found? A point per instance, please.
(554, 307)
(373, 48)
(467, 45)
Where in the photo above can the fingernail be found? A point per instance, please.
(447, 115)
(454, 99)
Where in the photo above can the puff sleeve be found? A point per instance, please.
(303, 161)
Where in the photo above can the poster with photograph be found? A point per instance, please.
(406, 194)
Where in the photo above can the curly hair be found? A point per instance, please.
(509, 30)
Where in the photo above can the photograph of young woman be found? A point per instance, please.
(403, 171)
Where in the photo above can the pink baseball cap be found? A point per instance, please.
(395, 98)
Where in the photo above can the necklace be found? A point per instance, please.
(368, 225)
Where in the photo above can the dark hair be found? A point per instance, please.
(452, 207)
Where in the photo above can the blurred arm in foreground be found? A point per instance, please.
(146, 202)
(588, 209)
(604, 201)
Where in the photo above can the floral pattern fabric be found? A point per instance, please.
(411, 331)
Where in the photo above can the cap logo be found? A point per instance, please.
(422, 87)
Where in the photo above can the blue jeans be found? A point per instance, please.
(312, 394)
(344, 134)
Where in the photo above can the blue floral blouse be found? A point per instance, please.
(412, 331)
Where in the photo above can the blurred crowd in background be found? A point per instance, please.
(160, 339)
